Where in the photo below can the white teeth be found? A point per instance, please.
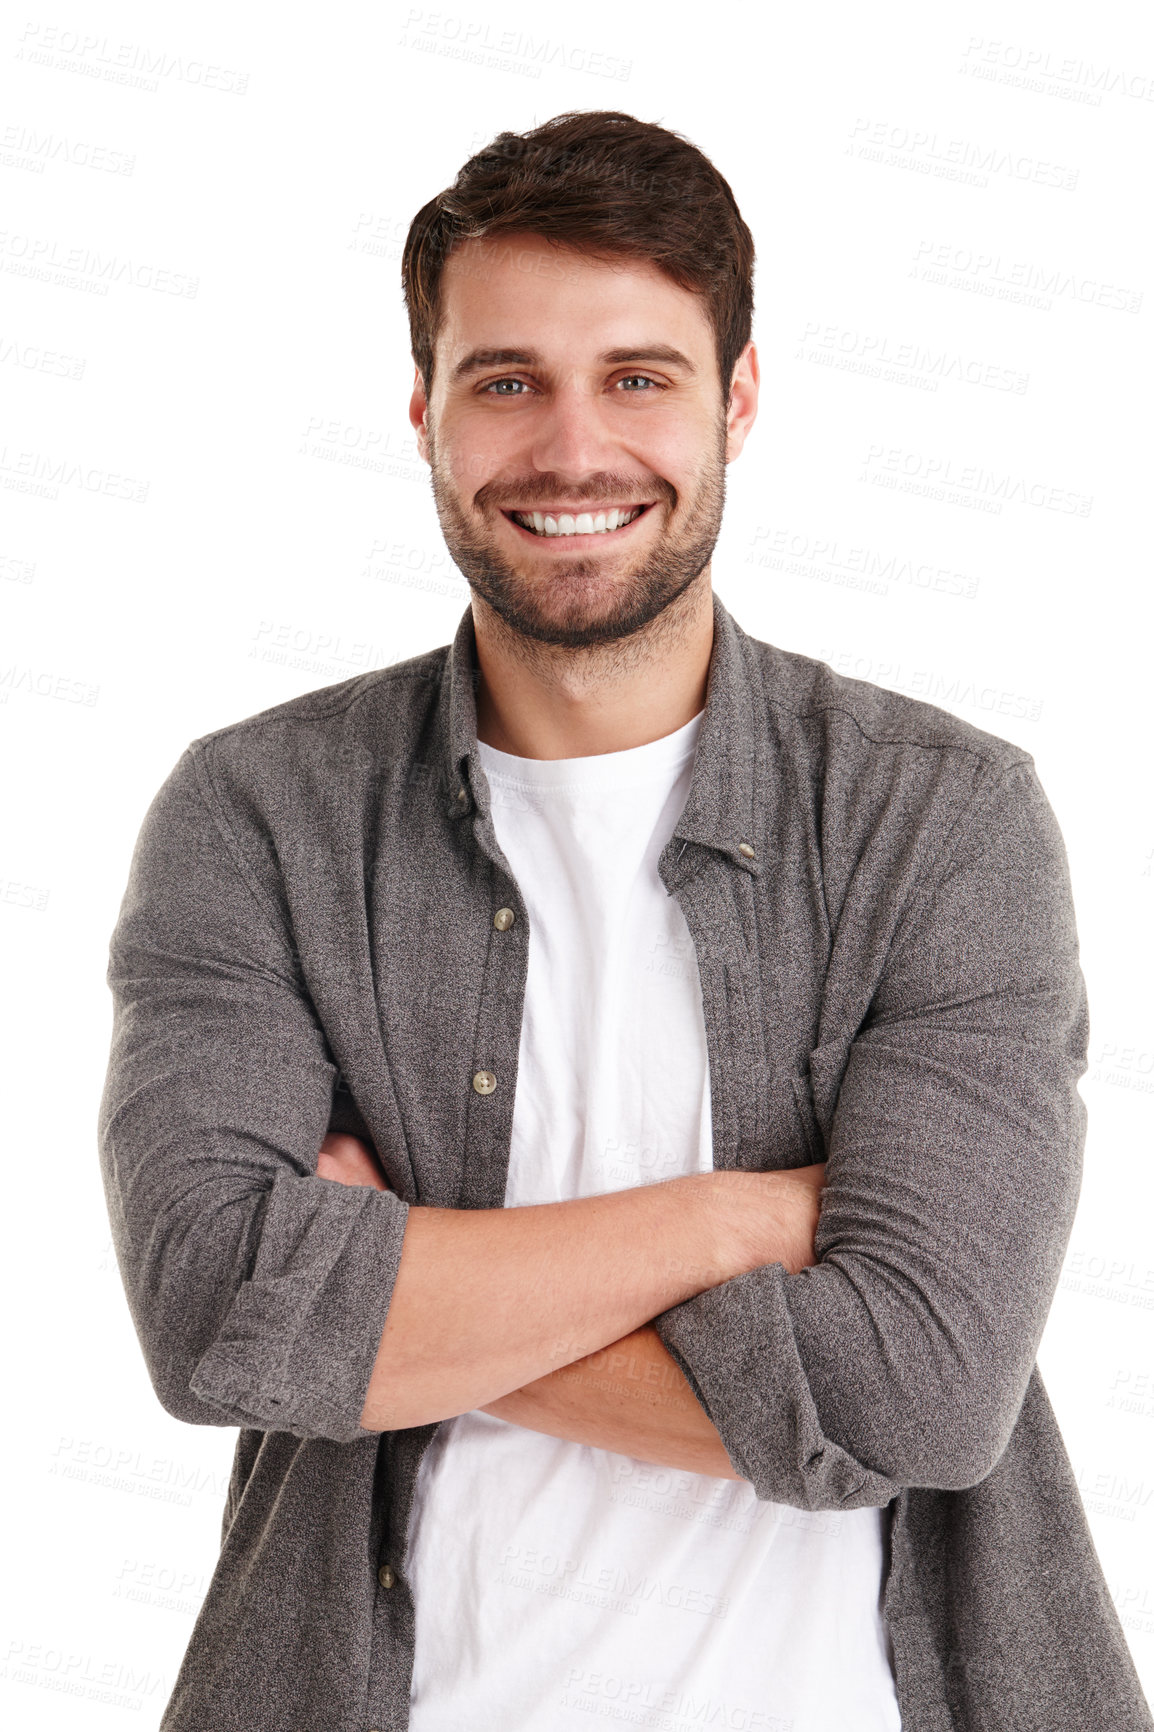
(583, 523)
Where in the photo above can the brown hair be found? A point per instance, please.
(605, 184)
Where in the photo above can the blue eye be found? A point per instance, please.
(519, 388)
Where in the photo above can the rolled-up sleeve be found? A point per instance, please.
(258, 1290)
(954, 1163)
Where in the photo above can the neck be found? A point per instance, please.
(541, 700)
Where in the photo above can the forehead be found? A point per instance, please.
(511, 289)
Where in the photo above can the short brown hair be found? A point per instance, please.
(605, 184)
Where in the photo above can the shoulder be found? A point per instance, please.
(865, 717)
(886, 783)
(861, 748)
(376, 719)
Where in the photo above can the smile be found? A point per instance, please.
(565, 523)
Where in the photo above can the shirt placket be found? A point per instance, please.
(716, 898)
(491, 1082)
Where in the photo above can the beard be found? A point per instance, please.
(587, 601)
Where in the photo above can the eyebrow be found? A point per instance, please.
(480, 358)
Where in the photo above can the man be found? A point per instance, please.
(596, 1103)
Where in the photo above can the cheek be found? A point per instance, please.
(673, 448)
(473, 455)
(677, 467)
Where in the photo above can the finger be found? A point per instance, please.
(347, 1161)
(345, 1172)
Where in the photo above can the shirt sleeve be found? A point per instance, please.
(258, 1290)
(954, 1163)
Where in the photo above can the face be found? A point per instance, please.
(577, 436)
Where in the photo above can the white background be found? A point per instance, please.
(211, 502)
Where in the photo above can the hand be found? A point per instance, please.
(349, 1161)
(802, 1191)
(769, 1217)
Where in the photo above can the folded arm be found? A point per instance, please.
(897, 1351)
(954, 1141)
(263, 1295)
(630, 1396)
(266, 1297)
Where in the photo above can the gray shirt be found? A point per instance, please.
(879, 901)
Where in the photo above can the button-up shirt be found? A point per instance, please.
(320, 931)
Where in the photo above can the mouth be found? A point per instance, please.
(577, 526)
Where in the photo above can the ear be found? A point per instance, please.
(419, 413)
(742, 411)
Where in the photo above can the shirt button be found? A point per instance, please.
(386, 1575)
(484, 1082)
(744, 848)
(503, 919)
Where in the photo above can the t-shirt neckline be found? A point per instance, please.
(602, 769)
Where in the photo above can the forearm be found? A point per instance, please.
(488, 1300)
(630, 1397)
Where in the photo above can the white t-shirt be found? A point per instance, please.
(556, 1583)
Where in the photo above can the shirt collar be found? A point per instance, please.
(726, 800)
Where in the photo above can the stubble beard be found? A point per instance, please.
(569, 607)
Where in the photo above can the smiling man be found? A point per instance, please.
(558, 547)
(596, 1103)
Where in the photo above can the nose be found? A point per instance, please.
(571, 436)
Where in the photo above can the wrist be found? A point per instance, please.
(701, 1230)
(762, 1218)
